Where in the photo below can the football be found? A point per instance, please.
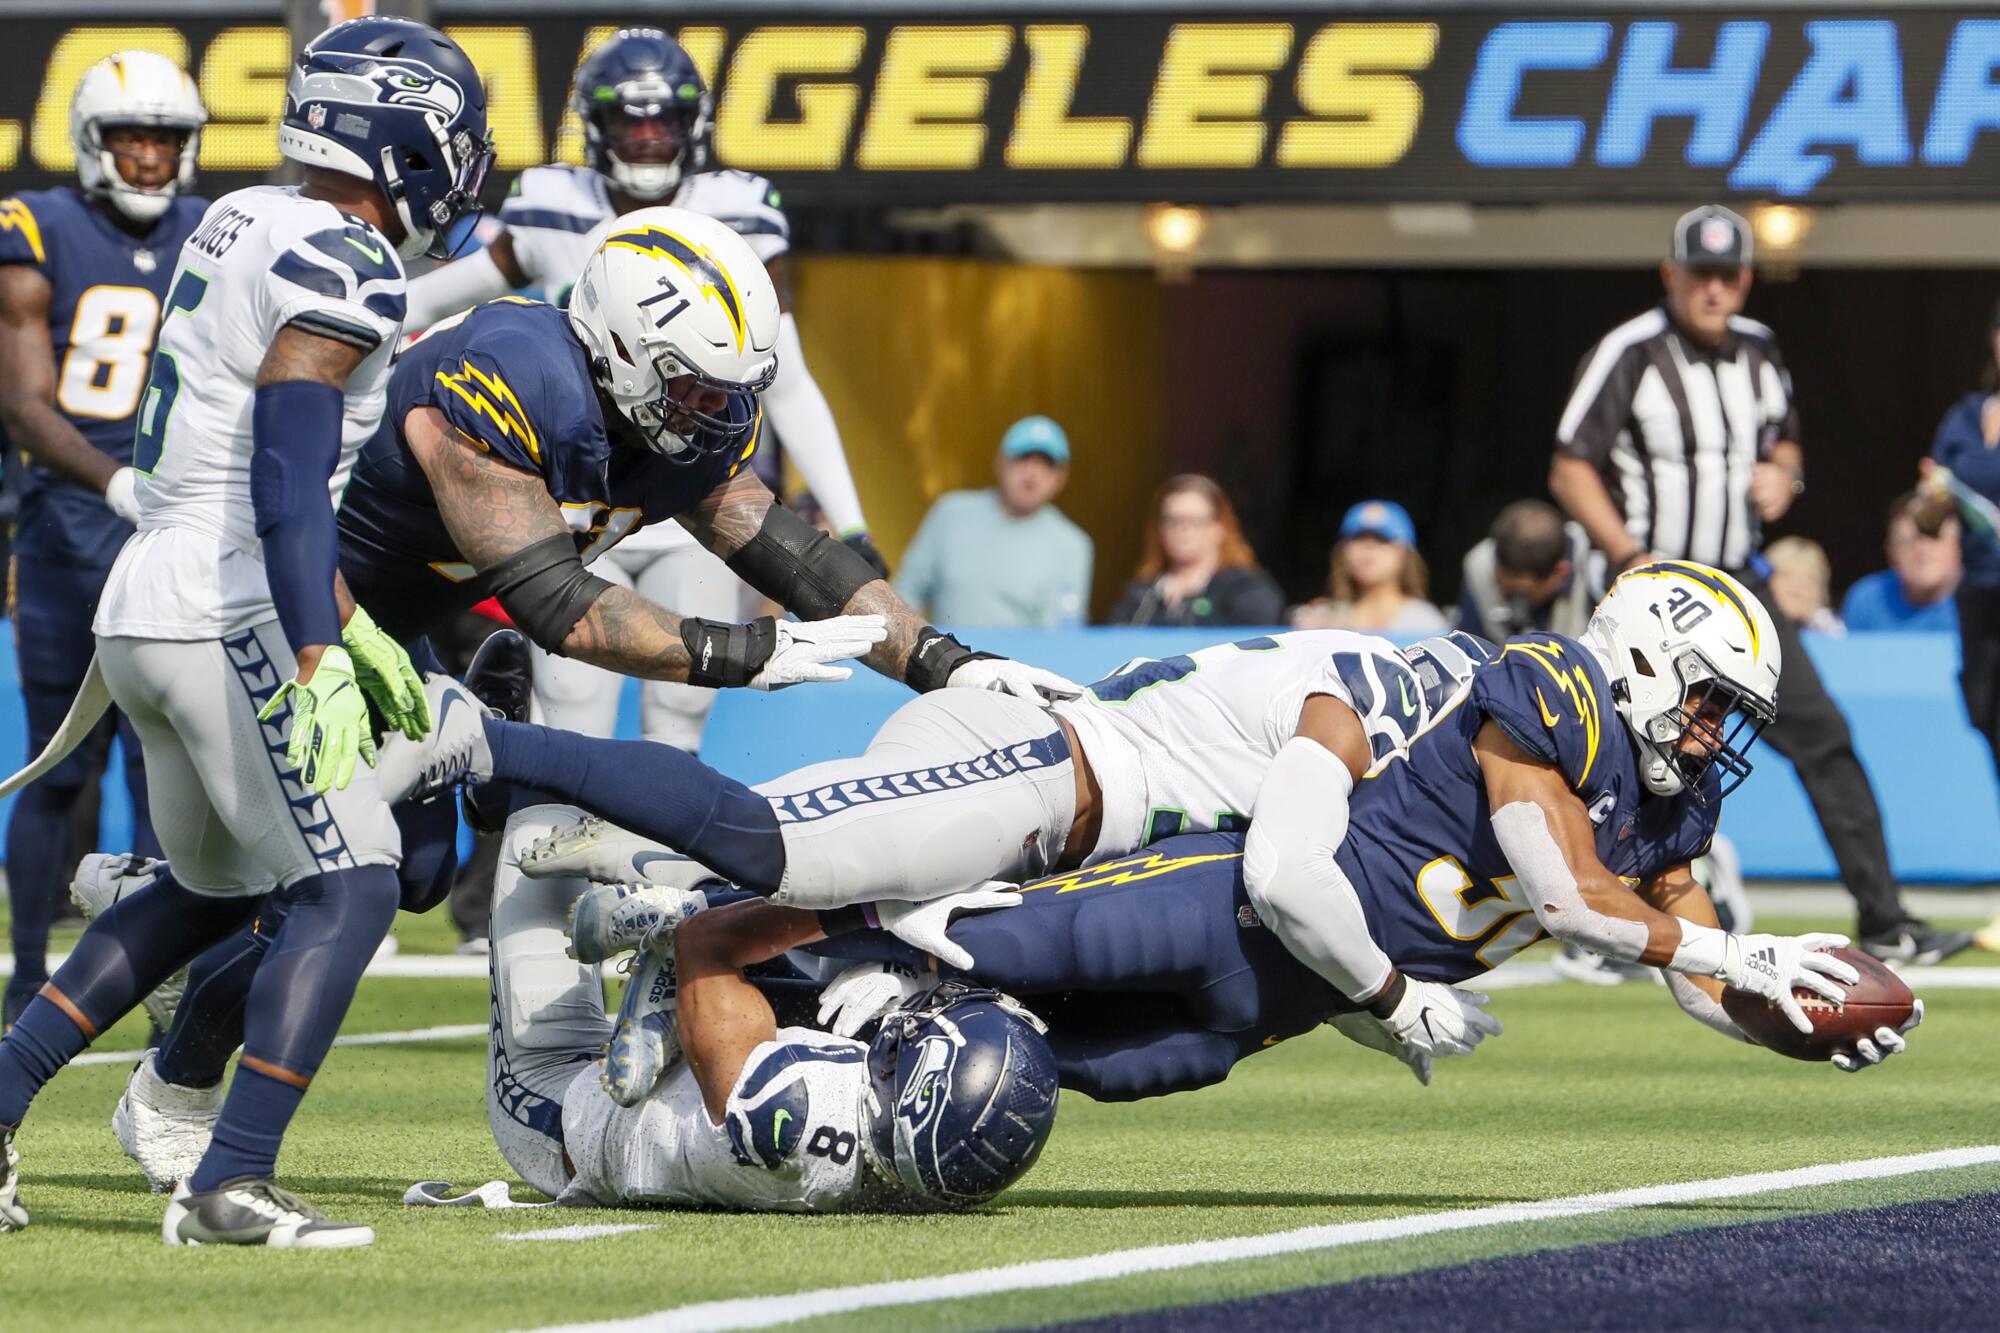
(1879, 999)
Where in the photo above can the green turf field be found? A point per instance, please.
(1590, 1089)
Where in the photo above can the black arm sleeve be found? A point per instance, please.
(799, 567)
(546, 589)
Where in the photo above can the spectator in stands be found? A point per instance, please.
(1915, 591)
(1004, 557)
(1533, 572)
(1198, 569)
(1378, 582)
(1801, 582)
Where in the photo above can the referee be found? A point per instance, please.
(1679, 441)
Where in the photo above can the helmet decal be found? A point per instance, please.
(712, 280)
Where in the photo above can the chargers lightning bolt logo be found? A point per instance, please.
(490, 396)
(711, 279)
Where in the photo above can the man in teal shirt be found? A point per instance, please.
(1004, 557)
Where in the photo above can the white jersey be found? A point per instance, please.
(1181, 744)
(557, 216)
(801, 1103)
(262, 258)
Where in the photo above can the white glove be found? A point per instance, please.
(866, 991)
(1015, 678)
(1887, 1042)
(922, 925)
(1430, 1022)
(122, 494)
(1773, 965)
(806, 646)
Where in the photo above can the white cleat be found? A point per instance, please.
(644, 1041)
(13, 1217)
(163, 1127)
(609, 919)
(598, 850)
(101, 879)
(249, 1211)
(455, 751)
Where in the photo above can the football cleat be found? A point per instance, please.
(455, 751)
(249, 1211)
(598, 850)
(609, 919)
(644, 1041)
(1914, 943)
(102, 878)
(12, 1215)
(164, 1127)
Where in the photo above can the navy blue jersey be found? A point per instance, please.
(1439, 894)
(511, 375)
(106, 287)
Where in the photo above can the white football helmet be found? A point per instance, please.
(134, 88)
(673, 295)
(1693, 659)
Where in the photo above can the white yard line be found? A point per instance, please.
(766, 1311)
(580, 1232)
(449, 1032)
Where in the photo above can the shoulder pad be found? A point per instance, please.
(1551, 698)
(551, 198)
(499, 381)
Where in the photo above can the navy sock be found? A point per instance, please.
(208, 1026)
(655, 791)
(301, 991)
(251, 1130)
(37, 841)
(140, 941)
(430, 850)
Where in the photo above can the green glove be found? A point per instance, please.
(386, 676)
(329, 722)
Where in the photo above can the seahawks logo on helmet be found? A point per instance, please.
(372, 81)
(928, 1088)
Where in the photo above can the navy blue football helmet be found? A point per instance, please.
(396, 102)
(963, 1085)
(647, 116)
(1444, 662)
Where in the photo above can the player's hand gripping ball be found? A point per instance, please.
(1863, 1029)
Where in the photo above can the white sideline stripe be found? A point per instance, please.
(766, 1311)
(446, 1033)
(403, 965)
(582, 1232)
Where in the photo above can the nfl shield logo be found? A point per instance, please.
(144, 261)
(316, 115)
(1717, 236)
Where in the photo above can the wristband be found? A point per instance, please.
(937, 655)
(722, 655)
(1702, 952)
(1383, 1003)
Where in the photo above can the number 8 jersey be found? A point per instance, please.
(107, 288)
(261, 259)
(1181, 744)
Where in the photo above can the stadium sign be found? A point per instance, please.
(1087, 105)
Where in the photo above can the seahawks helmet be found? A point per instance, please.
(640, 81)
(395, 102)
(674, 304)
(962, 1092)
(1693, 660)
(1445, 662)
(134, 88)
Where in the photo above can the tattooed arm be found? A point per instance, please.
(493, 511)
(730, 515)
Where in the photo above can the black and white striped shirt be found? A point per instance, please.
(1675, 429)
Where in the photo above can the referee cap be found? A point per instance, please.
(1711, 237)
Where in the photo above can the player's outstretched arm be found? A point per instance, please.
(722, 1017)
(1545, 831)
(506, 524)
(28, 393)
(464, 283)
(295, 423)
(1679, 894)
(815, 577)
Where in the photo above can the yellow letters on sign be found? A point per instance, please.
(929, 96)
(748, 137)
(1366, 119)
(1045, 134)
(505, 59)
(1209, 97)
(243, 75)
